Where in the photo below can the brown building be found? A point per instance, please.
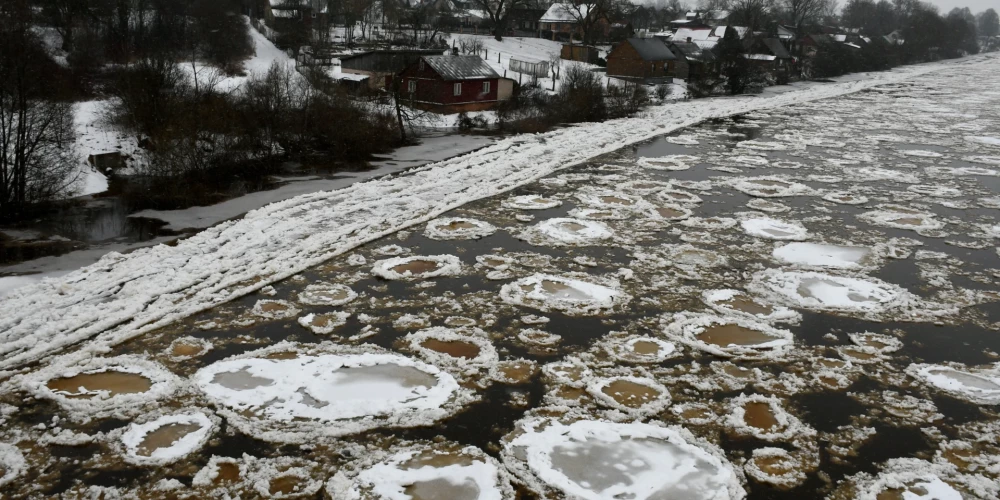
(642, 59)
(453, 84)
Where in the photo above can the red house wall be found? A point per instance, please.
(433, 89)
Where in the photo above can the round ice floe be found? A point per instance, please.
(774, 229)
(747, 161)
(188, 347)
(764, 418)
(961, 171)
(770, 187)
(777, 467)
(710, 223)
(644, 186)
(677, 196)
(538, 338)
(12, 463)
(611, 200)
(694, 413)
(671, 162)
(458, 228)
(571, 296)
(920, 153)
(826, 292)
(274, 309)
(566, 231)
(690, 256)
(635, 396)
(936, 191)
(981, 386)
(766, 205)
(327, 294)
(448, 347)
(598, 460)
(122, 384)
(988, 160)
(423, 471)
(530, 202)
(220, 474)
(845, 198)
(762, 145)
(736, 303)
(670, 212)
(291, 396)
(728, 337)
(324, 323)
(824, 255)
(166, 439)
(637, 349)
(417, 267)
(987, 140)
(915, 479)
(879, 342)
(684, 140)
(902, 218)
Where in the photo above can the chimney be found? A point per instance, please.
(454, 51)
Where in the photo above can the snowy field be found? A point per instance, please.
(793, 295)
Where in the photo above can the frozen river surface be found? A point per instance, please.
(789, 302)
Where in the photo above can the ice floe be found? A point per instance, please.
(274, 309)
(324, 323)
(763, 417)
(569, 295)
(728, 302)
(978, 385)
(636, 349)
(826, 255)
(827, 292)
(635, 396)
(530, 202)
(915, 479)
(458, 228)
(774, 229)
(289, 394)
(670, 162)
(166, 439)
(777, 467)
(444, 347)
(417, 267)
(727, 336)
(327, 294)
(770, 187)
(12, 463)
(567, 231)
(845, 198)
(598, 460)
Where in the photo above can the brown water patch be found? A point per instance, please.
(629, 393)
(831, 363)
(696, 413)
(759, 415)
(910, 221)
(570, 393)
(961, 458)
(285, 485)
(228, 473)
(858, 355)
(437, 460)
(282, 355)
(769, 182)
(645, 185)
(114, 382)
(270, 307)
(416, 267)
(645, 348)
(517, 373)
(240, 380)
(490, 262)
(732, 334)
(453, 348)
(615, 200)
(745, 304)
(573, 227)
(678, 196)
(164, 437)
(738, 372)
(443, 489)
(456, 225)
(669, 213)
(182, 349)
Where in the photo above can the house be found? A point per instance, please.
(707, 38)
(693, 62)
(579, 53)
(286, 15)
(526, 19)
(453, 83)
(562, 22)
(647, 59)
(771, 55)
(377, 65)
(808, 45)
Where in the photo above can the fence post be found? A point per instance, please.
(498, 57)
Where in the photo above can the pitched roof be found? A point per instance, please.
(466, 67)
(777, 49)
(692, 52)
(564, 13)
(651, 49)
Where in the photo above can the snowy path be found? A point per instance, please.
(122, 296)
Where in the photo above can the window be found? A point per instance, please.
(458, 89)
(412, 86)
(486, 87)
(421, 65)
(652, 67)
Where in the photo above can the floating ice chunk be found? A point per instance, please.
(915, 479)
(566, 231)
(898, 217)
(879, 342)
(671, 212)
(598, 460)
(736, 303)
(166, 439)
(429, 471)
(547, 292)
(762, 145)
(747, 161)
(684, 140)
(327, 294)
(530, 202)
(961, 171)
(989, 160)
(274, 309)
(458, 228)
(845, 198)
(870, 173)
(12, 463)
(636, 396)
(727, 337)
(324, 323)
(920, 153)
(824, 255)
(827, 292)
(936, 191)
(685, 256)
(981, 386)
(770, 187)
(764, 418)
(644, 186)
(776, 466)
(637, 349)
(774, 229)
(678, 197)
(417, 267)
(710, 223)
(670, 162)
(540, 338)
(289, 396)
(456, 348)
(766, 205)
(123, 385)
(987, 140)
(188, 347)
(611, 200)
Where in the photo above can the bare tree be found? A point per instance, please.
(588, 15)
(753, 14)
(801, 12)
(499, 12)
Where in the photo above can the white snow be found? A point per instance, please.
(987, 140)
(12, 463)
(572, 296)
(823, 255)
(458, 228)
(774, 229)
(327, 294)
(981, 386)
(827, 292)
(122, 296)
(445, 265)
(567, 231)
(186, 444)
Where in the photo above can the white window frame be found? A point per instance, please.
(486, 87)
(457, 89)
(411, 86)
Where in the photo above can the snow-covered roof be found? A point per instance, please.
(461, 67)
(564, 13)
(682, 34)
(693, 52)
(760, 57)
(840, 38)
(651, 49)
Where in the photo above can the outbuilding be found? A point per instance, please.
(453, 84)
(645, 59)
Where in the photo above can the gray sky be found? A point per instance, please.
(976, 6)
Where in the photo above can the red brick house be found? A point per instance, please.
(647, 59)
(452, 84)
